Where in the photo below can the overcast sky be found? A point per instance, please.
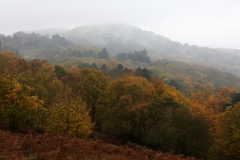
(212, 23)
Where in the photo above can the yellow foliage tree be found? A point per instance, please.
(47, 86)
(69, 116)
(165, 91)
(17, 104)
(227, 144)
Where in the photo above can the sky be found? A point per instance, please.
(209, 23)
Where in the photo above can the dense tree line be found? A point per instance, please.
(21, 40)
(136, 56)
(56, 45)
(186, 77)
(53, 98)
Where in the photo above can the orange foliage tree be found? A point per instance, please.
(126, 104)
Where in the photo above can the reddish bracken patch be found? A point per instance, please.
(58, 147)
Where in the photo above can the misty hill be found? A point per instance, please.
(59, 50)
(122, 38)
(118, 38)
(2, 35)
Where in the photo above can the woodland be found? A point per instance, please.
(62, 92)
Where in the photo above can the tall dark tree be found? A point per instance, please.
(56, 37)
(104, 68)
(61, 40)
(103, 54)
(94, 66)
(120, 67)
(143, 73)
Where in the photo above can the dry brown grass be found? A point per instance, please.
(58, 147)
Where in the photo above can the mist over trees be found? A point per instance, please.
(53, 85)
(123, 38)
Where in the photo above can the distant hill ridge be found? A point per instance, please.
(120, 37)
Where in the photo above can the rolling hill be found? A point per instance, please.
(125, 38)
(120, 37)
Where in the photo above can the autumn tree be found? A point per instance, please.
(91, 85)
(224, 95)
(160, 133)
(17, 103)
(187, 86)
(46, 84)
(10, 64)
(71, 79)
(172, 126)
(228, 137)
(206, 107)
(165, 91)
(69, 116)
(60, 71)
(193, 136)
(126, 104)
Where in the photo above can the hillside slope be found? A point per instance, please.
(120, 37)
